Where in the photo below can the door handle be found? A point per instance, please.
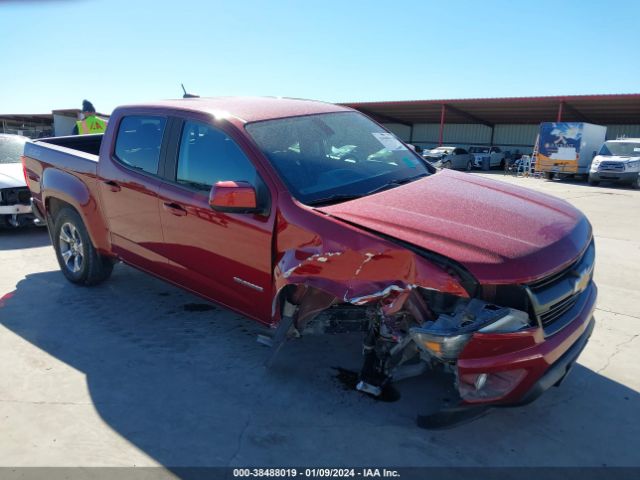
(175, 209)
(113, 186)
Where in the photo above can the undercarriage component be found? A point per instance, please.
(375, 390)
(282, 332)
(372, 377)
(16, 220)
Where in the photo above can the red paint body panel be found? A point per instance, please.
(242, 110)
(207, 250)
(501, 234)
(316, 250)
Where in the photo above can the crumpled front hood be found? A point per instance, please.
(11, 175)
(501, 233)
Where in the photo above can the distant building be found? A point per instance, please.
(510, 123)
(55, 124)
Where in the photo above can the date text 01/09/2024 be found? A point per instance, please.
(315, 472)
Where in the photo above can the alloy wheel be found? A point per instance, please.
(71, 248)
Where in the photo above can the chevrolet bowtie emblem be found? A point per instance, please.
(581, 279)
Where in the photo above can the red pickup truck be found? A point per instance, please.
(281, 209)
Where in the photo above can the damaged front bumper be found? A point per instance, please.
(15, 208)
(515, 368)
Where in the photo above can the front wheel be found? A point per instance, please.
(594, 183)
(77, 257)
(636, 183)
(469, 166)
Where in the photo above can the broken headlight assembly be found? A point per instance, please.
(447, 336)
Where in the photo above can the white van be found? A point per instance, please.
(618, 161)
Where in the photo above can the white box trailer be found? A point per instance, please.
(567, 148)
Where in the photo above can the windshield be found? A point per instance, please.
(622, 149)
(479, 150)
(11, 148)
(335, 156)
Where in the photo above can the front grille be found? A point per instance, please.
(554, 297)
(611, 166)
(557, 310)
(15, 196)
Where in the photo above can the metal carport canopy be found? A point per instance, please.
(599, 109)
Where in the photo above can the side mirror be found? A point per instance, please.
(233, 197)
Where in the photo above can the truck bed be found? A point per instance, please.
(75, 153)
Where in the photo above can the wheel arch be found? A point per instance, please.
(64, 190)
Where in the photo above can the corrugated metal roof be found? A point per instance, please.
(599, 109)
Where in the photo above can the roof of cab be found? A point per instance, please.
(246, 109)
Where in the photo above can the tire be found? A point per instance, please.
(548, 175)
(77, 257)
(594, 183)
(469, 166)
(502, 164)
(447, 164)
(636, 183)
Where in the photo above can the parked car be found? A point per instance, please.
(282, 209)
(494, 154)
(449, 157)
(15, 198)
(617, 161)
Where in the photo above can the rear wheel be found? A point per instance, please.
(77, 257)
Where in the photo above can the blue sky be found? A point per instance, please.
(55, 53)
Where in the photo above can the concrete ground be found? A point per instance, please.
(137, 372)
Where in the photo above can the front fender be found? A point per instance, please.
(350, 264)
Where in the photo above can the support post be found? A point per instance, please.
(560, 107)
(443, 109)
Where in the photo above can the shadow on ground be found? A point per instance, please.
(26, 237)
(186, 385)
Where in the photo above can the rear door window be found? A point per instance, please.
(139, 140)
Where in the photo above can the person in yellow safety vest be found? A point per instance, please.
(90, 123)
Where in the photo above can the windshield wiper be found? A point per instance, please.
(395, 183)
(343, 197)
(337, 198)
